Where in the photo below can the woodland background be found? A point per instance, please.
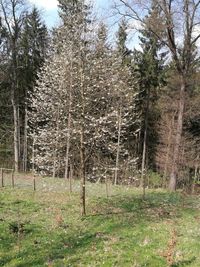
(73, 101)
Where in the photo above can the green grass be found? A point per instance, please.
(44, 228)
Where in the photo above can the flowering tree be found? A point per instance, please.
(83, 104)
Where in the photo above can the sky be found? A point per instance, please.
(49, 9)
(101, 7)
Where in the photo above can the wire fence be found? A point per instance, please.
(27, 181)
(11, 179)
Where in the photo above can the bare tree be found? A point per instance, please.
(177, 28)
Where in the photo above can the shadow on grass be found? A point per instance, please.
(6, 240)
(40, 248)
(110, 216)
(184, 262)
(156, 206)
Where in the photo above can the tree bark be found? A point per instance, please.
(145, 143)
(169, 145)
(56, 143)
(69, 121)
(25, 152)
(118, 146)
(82, 140)
(70, 178)
(67, 147)
(33, 155)
(179, 130)
(82, 172)
(16, 137)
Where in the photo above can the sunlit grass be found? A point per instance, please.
(121, 230)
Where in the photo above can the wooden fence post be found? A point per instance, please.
(70, 178)
(106, 182)
(2, 178)
(13, 179)
(34, 184)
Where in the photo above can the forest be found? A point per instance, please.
(83, 109)
(72, 99)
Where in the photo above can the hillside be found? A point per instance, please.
(44, 228)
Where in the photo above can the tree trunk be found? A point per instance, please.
(169, 144)
(69, 123)
(56, 143)
(118, 146)
(82, 140)
(12, 28)
(145, 143)
(67, 148)
(174, 170)
(82, 172)
(19, 137)
(70, 178)
(16, 137)
(25, 152)
(54, 165)
(195, 178)
(33, 155)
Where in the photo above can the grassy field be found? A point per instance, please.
(44, 228)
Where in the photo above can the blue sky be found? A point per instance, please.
(102, 9)
(49, 9)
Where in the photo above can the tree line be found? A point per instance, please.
(73, 101)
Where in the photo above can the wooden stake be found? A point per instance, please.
(70, 178)
(13, 179)
(106, 180)
(2, 178)
(34, 184)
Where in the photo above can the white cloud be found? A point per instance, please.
(46, 4)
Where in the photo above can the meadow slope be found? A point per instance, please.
(44, 228)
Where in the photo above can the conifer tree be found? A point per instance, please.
(175, 27)
(33, 51)
(149, 63)
(13, 13)
(122, 36)
(20, 38)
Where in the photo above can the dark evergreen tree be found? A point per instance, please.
(122, 36)
(13, 13)
(33, 51)
(150, 68)
(23, 47)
